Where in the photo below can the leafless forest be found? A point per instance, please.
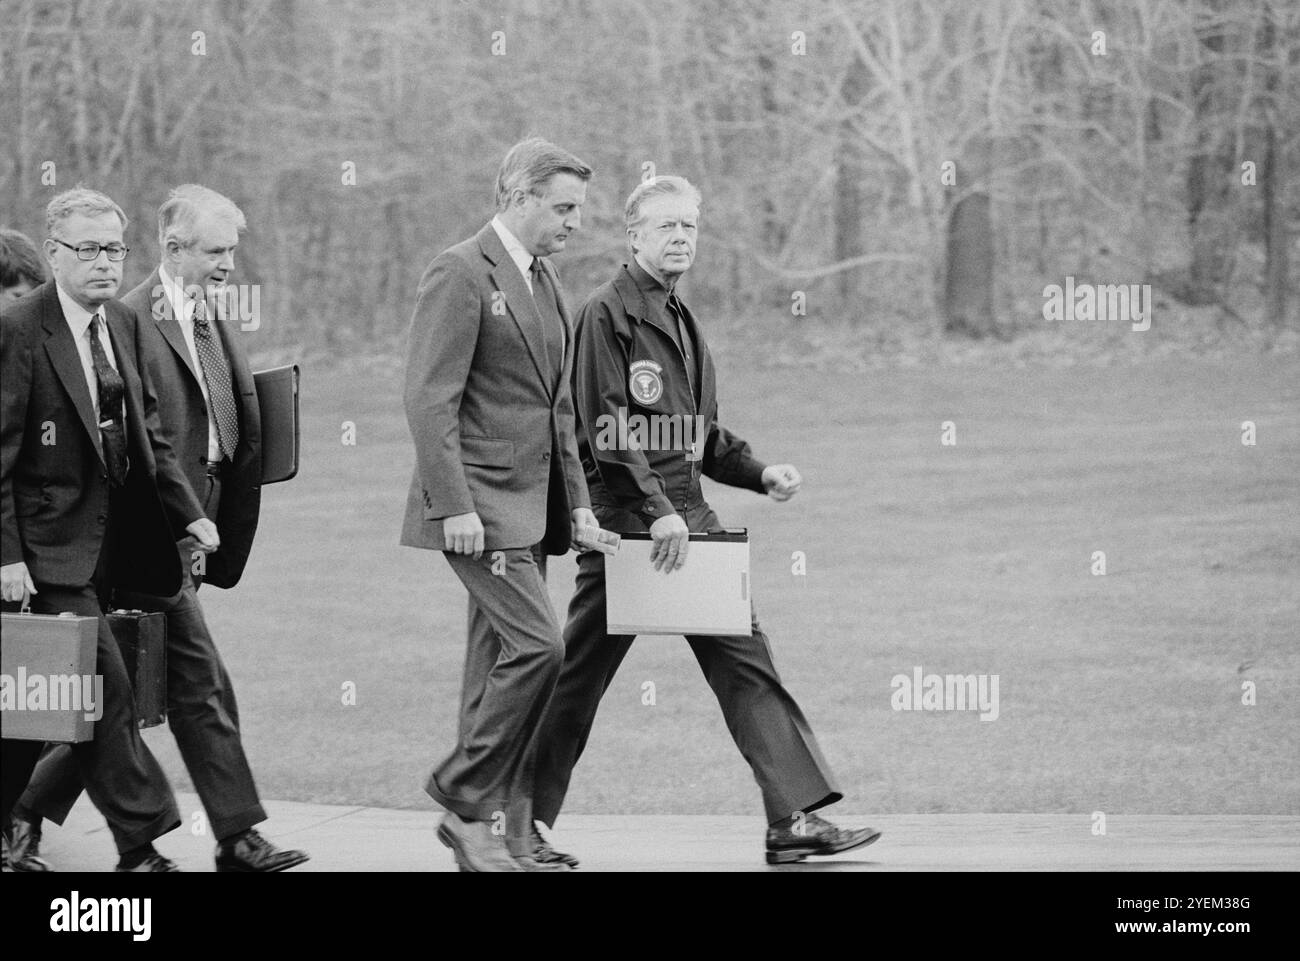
(876, 162)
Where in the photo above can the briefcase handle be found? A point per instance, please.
(25, 608)
(740, 534)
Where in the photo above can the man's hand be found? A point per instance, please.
(782, 481)
(205, 532)
(463, 534)
(16, 583)
(671, 539)
(585, 529)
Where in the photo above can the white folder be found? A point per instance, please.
(709, 595)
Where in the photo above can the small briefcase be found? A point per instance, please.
(49, 690)
(142, 638)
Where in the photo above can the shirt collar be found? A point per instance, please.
(517, 251)
(648, 283)
(78, 317)
(182, 307)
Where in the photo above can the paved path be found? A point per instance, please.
(342, 838)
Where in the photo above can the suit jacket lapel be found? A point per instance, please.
(168, 326)
(65, 359)
(137, 432)
(519, 302)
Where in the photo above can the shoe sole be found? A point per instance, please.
(20, 867)
(221, 869)
(795, 855)
(572, 862)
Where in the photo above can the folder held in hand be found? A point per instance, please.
(277, 398)
(709, 595)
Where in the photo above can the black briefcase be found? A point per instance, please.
(142, 637)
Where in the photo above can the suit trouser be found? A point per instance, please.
(119, 772)
(512, 658)
(17, 761)
(201, 712)
(764, 720)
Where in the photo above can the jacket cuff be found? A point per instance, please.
(656, 507)
(753, 476)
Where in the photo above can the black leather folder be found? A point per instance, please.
(277, 396)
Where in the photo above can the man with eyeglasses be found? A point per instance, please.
(90, 494)
(209, 415)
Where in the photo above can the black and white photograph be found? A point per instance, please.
(691, 437)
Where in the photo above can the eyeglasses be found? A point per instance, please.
(90, 250)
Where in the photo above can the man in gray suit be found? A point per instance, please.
(497, 487)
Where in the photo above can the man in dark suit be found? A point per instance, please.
(87, 488)
(208, 408)
(497, 487)
(640, 353)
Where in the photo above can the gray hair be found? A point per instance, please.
(180, 213)
(79, 200)
(656, 187)
(530, 164)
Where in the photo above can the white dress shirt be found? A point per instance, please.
(524, 261)
(78, 319)
(182, 308)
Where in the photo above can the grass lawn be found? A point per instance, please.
(1120, 693)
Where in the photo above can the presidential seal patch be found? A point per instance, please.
(645, 382)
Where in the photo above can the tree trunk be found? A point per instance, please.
(1209, 180)
(849, 200)
(968, 288)
(1273, 187)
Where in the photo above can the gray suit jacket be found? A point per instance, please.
(493, 428)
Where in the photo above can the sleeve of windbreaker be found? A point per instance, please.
(729, 460)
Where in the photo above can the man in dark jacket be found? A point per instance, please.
(185, 349)
(88, 486)
(641, 357)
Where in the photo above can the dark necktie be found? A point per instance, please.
(552, 325)
(677, 310)
(112, 424)
(216, 371)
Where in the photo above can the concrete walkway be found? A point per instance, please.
(341, 838)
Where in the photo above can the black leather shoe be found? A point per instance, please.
(25, 847)
(154, 863)
(529, 862)
(250, 852)
(793, 840)
(544, 853)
